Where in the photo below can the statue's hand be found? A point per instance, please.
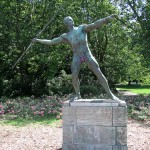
(34, 40)
(114, 16)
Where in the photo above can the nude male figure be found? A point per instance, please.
(76, 37)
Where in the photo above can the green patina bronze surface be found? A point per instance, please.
(76, 37)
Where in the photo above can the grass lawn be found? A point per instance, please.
(138, 89)
(9, 120)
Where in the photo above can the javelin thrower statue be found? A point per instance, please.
(76, 37)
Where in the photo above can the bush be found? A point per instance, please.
(26, 107)
(138, 107)
(60, 85)
(63, 85)
(33, 107)
(89, 91)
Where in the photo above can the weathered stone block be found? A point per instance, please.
(119, 116)
(85, 147)
(94, 125)
(121, 136)
(94, 135)
(94, 116)
(95, 102)
(69, 147)
(69, 115)
(120, 148)
(68, 133)
(93, 147)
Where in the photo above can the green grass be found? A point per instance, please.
(9, 120)
(138, 89)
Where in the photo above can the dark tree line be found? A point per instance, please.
(120, 51)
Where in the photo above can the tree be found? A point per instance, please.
(109, 45)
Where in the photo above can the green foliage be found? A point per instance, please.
(88, 91)
(139, 115)
(137, 15)
(116, 48)
(146, 79)
(61, 85)
(38, 110)
(138, 107)
(27, 107)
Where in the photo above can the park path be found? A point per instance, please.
(127, 93)
(44, 137)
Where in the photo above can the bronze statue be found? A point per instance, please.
(76, 37)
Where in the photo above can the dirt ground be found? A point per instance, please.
(44, 137)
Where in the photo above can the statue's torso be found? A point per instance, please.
(77, 39)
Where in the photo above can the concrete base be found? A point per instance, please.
(94, 125)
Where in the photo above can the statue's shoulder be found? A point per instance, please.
(64, 35)
(82, 26)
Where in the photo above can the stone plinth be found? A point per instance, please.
(94, 125)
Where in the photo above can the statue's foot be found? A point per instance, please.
(122, 103)
(113, 97)
(74, 98)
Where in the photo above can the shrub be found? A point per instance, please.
(89, 91)
(61, 85)
(138, 107)
(33, 107)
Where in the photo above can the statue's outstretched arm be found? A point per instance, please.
(99, 23)
(54, 41)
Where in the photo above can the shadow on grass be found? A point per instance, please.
(138, 86)
(15, 121)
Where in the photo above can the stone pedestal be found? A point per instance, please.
(94, 125)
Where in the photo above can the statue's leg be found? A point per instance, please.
(75, 68)
(93, 65)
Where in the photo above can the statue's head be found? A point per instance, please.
(68, 21)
